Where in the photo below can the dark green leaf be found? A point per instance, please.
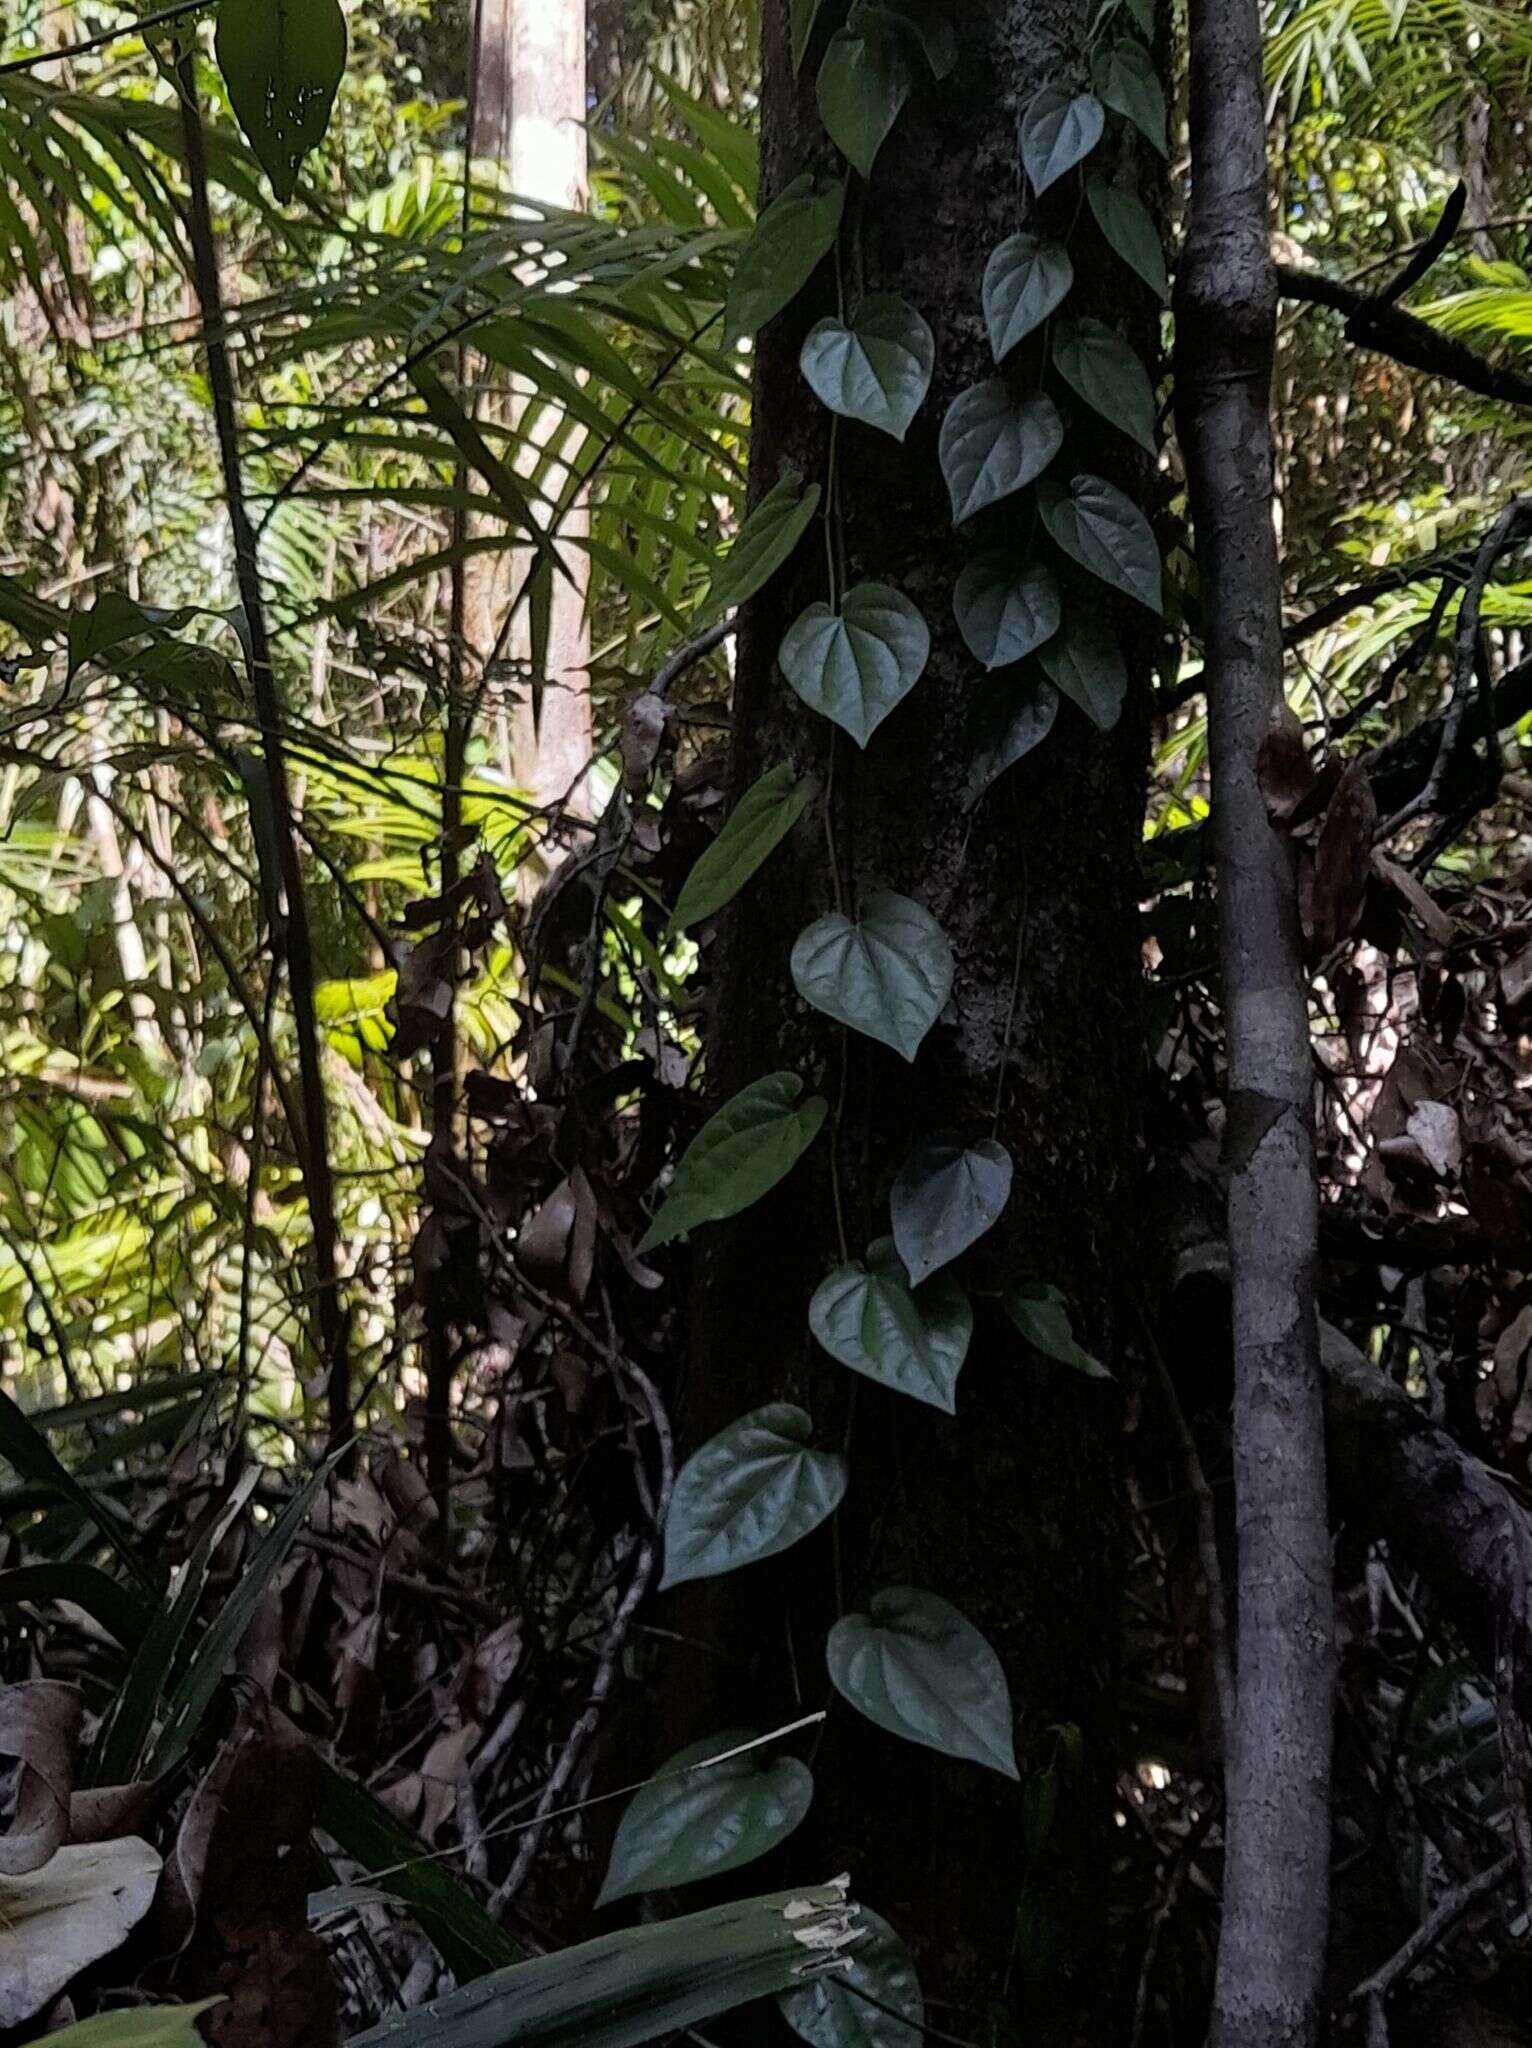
(923, 20)
(142, 2026)
(689, 1823)
(23, 1447)
(945, 1197)
(875, 2003)
(854, 666)
(876, 367)
(865, 79)
(1095, 361)
(916, 1667)
(791, 239)
(869, 1318)
(1124, 220)
(994, 444)
(1042, 1316)
(1058, 130)
(802, 15)
(1004, 611)
(1106, 533)
(282, 61)
(752, 1490)
(761, 820)
(1126, 80)
(1085, 663)
(121, 1613)
(888, 975)
(1024, 281)
(739, 1155)
(1005, 720)
(762, 544)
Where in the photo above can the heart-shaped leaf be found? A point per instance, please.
(1058, 130)
(888, 975)
(869, 1318)
(750, 1491)
(916, 1667)
(1142, 12)
(1003, 611)
(1085, 663)
(855, 665)
(1124, 219)
(922, 20)
(762, 544)
(993, 444)
(1024, 281)
(876, 367)
(740, 1154)
(791, 239)
(1042, 1316)
(802, 15)
(1126, 81)
(283, 61)
(1005, 721)
(1106, 533)
(689, 1822)
(865, 79)
(758, 824)
(1095, 361)
(872, 2001)
(945, 1198)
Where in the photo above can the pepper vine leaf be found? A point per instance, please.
(1003, 724)
(690, 1822)
(1042, 1316)
(1125, 221)
(946, 1197)
(749, 1492)
(923, 22)
(1026, 279)
(1105, 532)
(738, 1156)
(856, 665)
(282, 61)
(1005, 611)
(762, 544)
(1094, 360)
(1059, 129)
(871, 1320)
(792, 237)
(994, 444)
(760, 821)
(875, 367)
(917, 1667)
(864, 81)
(1126, 81)
(1085, 664)
(874, 2001)
(887, 974)
(803, 15)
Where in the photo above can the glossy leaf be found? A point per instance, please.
(687, 1824)
(1126, 81)
(994, 444)
(1004, 610)
(1006, 718)
(856, 665)
(1042, 1316)
(1104, 531)
(945, 1197)
(738, 1156)
(758, 824)
(888, 974)
(750, 1491)
(792, 237)
(1125, 221)
(915, 1341)
(282, 61)
(1094, 360)
(1026, 279)
(1085, 664)
(915, 1666)
(763, 543)
(1059, 129)
(875, 2002)
(864, 81)
(876, 367)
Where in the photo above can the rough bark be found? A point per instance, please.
(1012, 1510)
(1276, 1883)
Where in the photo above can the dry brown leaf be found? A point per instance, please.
(40, 1725)
(57, 1921)
(1343, 860)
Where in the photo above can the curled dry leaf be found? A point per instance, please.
(40, 1726)
(1343, 860)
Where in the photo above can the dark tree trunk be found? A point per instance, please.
(1013, 1510)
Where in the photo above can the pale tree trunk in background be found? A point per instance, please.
(529, 116)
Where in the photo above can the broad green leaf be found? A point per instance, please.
(141, 2026)
(1042, 1316)
(752, 1490)
(887, 975)
(1085, 663)
(1124, 220)
(791, 239)
(1005, 720)
(923, 20)
(762, 544)
(869, 1319)
(113, 620)
(738, 1156)
(916, 1667)
(23, 1447)
(802, 15)
(1142, 12)
(1024, 281)
(760, 821)
(283, 61)
(689, 1822)
(1059, 129)
(864, 81)
(1005, 610)
(1094, 360)
(876, 367)
(945, 1197)
(1105, 532)
(856, 665)
(1126, 81)
(994, 444)
(875, 2003)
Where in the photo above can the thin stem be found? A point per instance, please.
(162, 19)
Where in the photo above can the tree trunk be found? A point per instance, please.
(1013, 1509)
